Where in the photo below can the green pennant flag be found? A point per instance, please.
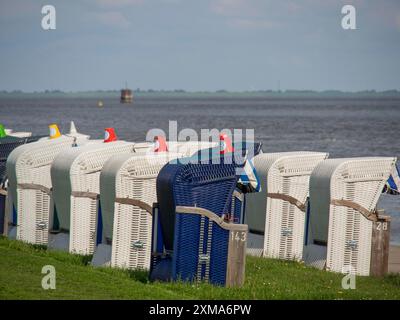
(3, 133)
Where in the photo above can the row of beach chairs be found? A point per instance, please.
(318, 210)
(185, 211)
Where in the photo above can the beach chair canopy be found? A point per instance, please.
(18, 134)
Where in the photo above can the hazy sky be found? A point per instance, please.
(199, 45)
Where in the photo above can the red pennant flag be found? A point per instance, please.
(160, 144)
(109, 135)
(225, 144)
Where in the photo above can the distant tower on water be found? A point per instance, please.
(126, 95)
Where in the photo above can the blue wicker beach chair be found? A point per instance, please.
(199, 212)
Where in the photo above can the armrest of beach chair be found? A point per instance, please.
(34, 186)
(287, 198)
(371, 215)
(137, 203)
(213, 217)
(89, 195)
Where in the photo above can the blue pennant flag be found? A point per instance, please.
(393, 184)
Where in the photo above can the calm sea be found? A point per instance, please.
(342, 127)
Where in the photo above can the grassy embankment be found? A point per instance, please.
(21, 265)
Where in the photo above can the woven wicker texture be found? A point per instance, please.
(129, 226)
(112, 167)
(76, 177)
(346, 231)
(281, 222)
(28, 169)
(199, 246)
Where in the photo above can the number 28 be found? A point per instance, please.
(381, 226)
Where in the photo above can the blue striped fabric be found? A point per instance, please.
(249, 180)
(249, 176)
(393, 184)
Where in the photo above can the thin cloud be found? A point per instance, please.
(171, 1)
(112, 19)
(234, 7)
(246, 14)
(253, 24)
(118, 3)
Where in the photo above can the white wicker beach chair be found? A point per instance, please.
(76, 181)
(133, 178)
(28, 170)
(343, 198)
(128, 191)
(276, 216)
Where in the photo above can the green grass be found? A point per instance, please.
(21, 265)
